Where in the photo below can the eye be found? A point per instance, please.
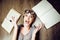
(31, 16)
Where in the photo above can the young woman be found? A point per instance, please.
(26, 31)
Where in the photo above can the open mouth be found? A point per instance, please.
(27, 21)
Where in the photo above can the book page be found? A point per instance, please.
(37, 22)
(6, 24)
(46, 13)
(42, 7)
(50, 18)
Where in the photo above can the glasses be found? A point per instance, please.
(29, 11)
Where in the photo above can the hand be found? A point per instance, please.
(13, 21)
(37, 28)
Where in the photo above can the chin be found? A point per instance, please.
(26, 24)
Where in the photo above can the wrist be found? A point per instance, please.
(33, 34)
(15, 27)
(33, 37)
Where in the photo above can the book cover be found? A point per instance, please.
(46, 13)
(6, 24)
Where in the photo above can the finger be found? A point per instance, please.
(13, 18)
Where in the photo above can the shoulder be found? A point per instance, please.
(20, 25)
(32, 28)
(19, 28)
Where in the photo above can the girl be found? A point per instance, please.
(26, 31)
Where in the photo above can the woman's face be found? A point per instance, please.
(28, 19)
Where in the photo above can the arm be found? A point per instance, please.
(34, 33)
(15, 32)
(15, 28)
(36, 30)
(33, 36)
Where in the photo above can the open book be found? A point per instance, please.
(46, 13)
(7, 25)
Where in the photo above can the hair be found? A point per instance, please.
(32, 13)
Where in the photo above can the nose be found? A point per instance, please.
(28, 18)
